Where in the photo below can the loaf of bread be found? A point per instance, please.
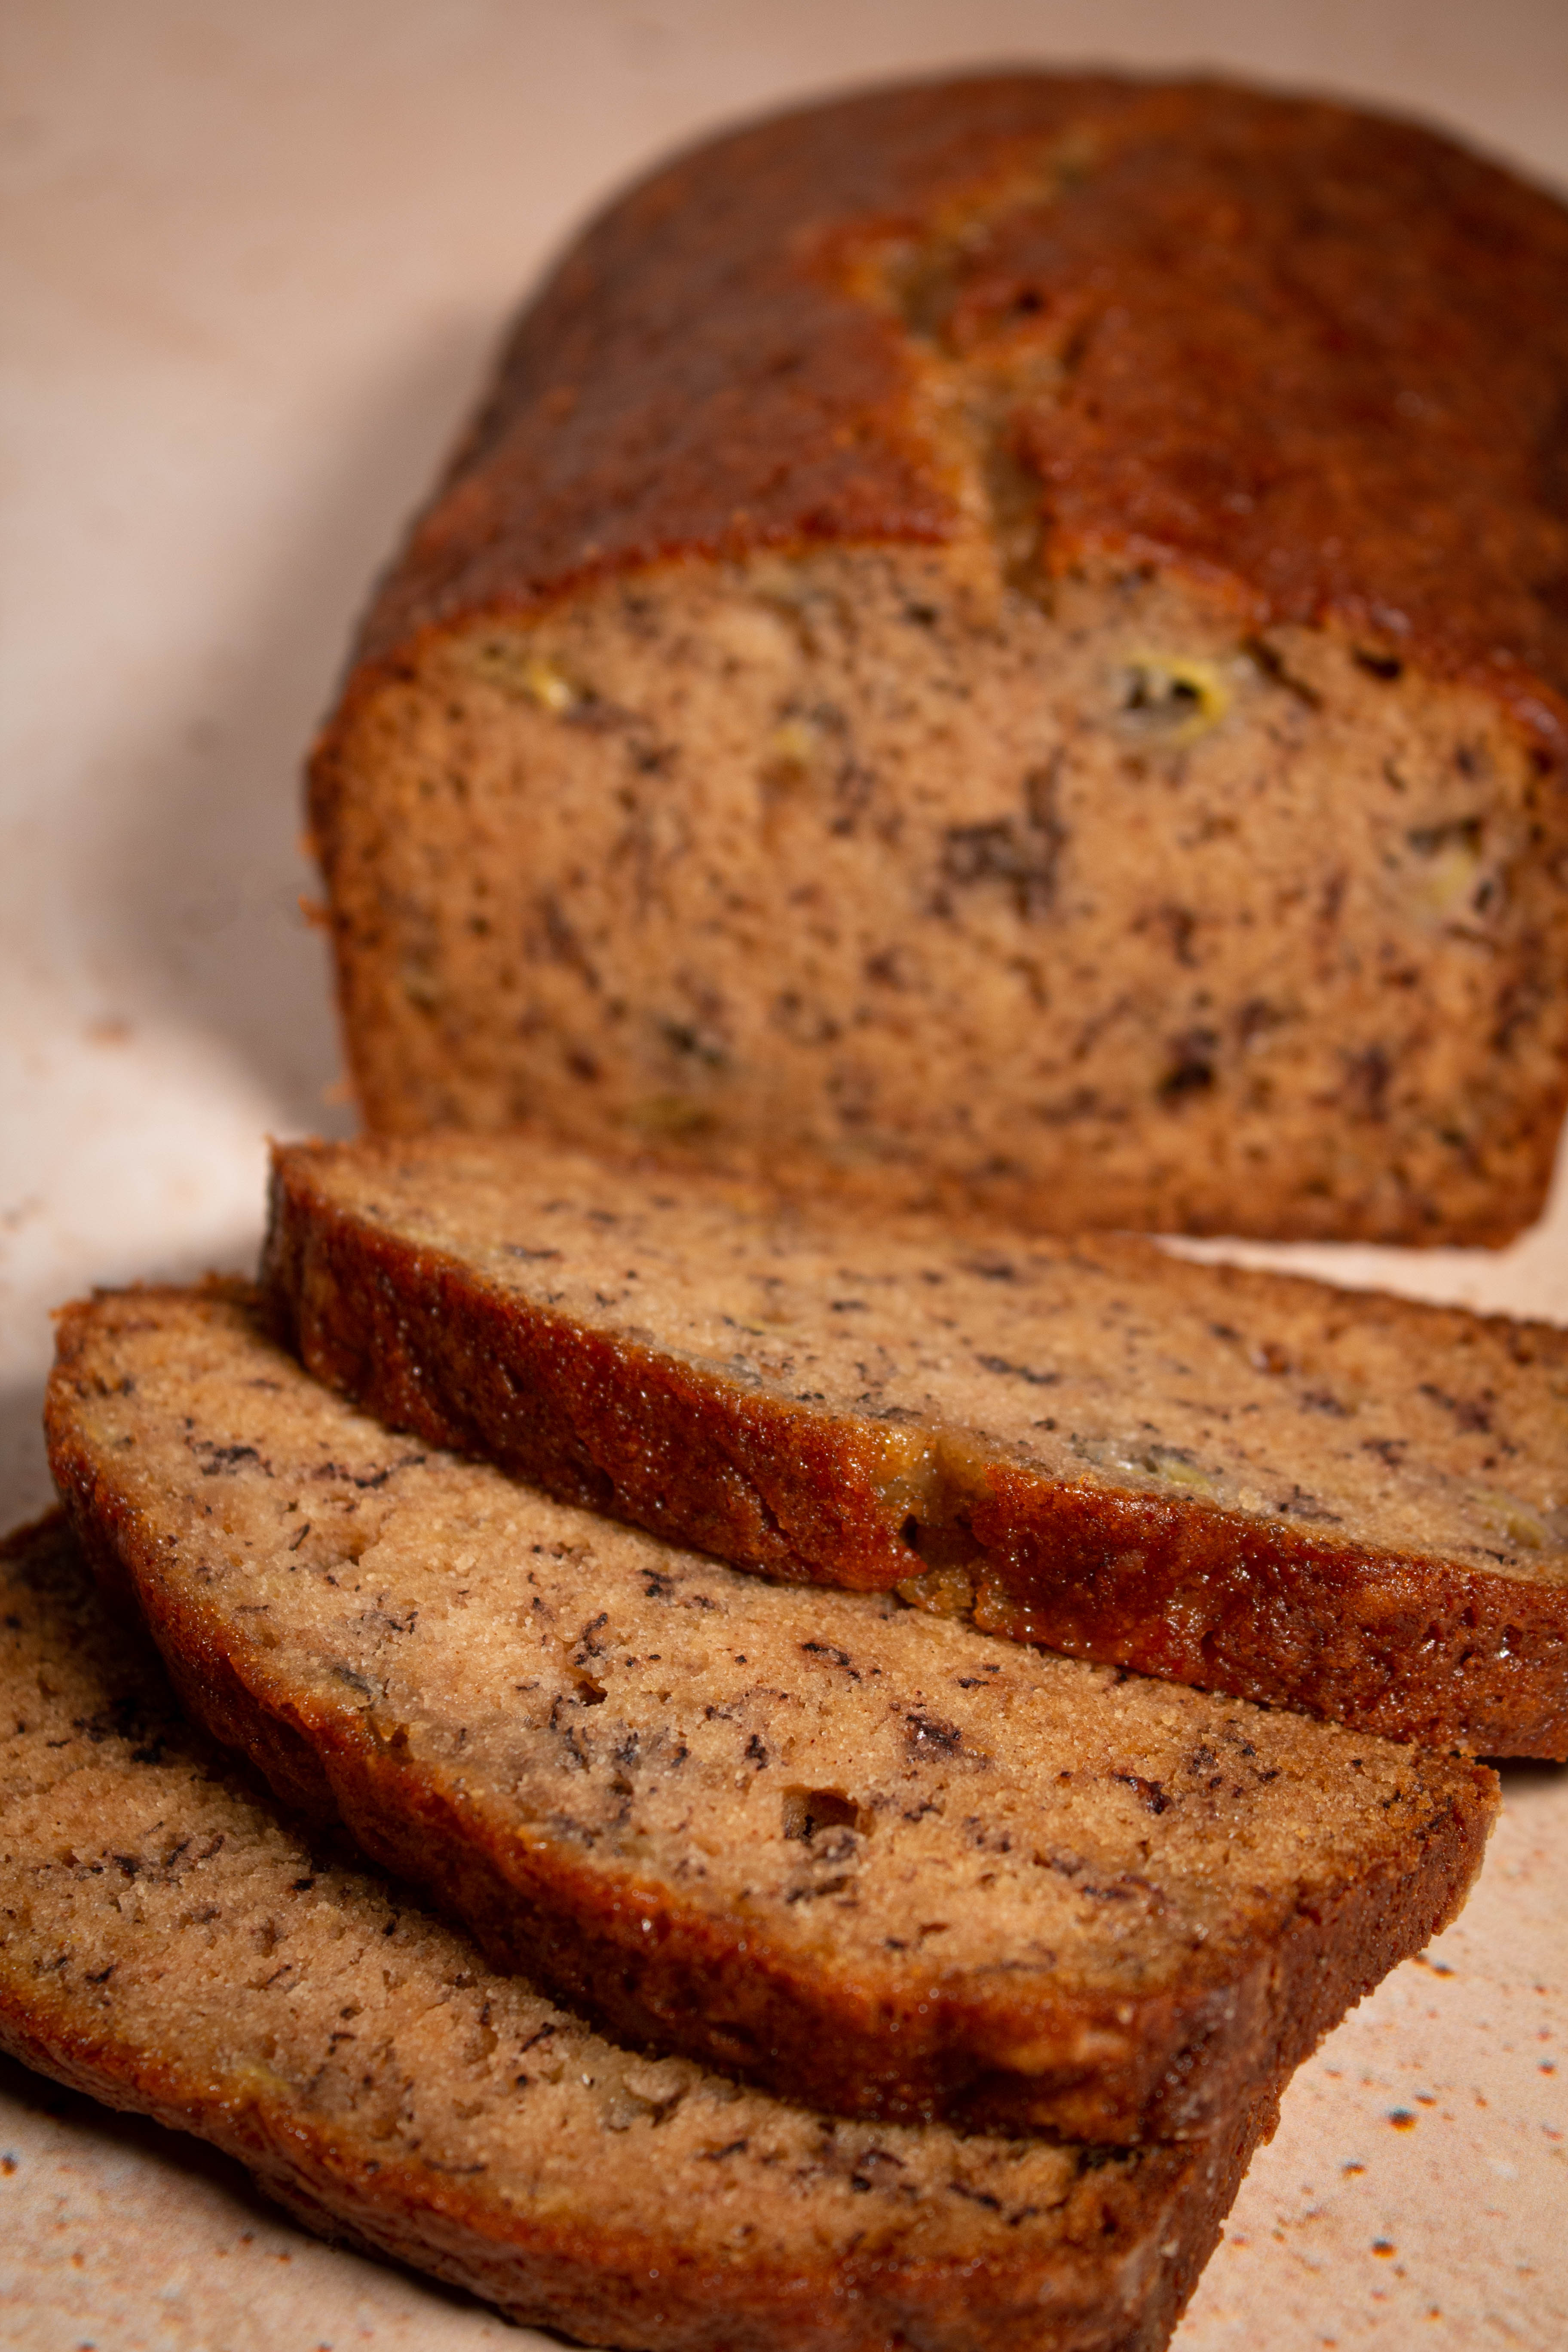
(869, 1860)
(1348, 1503)
(170, 1945)
(1006, 638)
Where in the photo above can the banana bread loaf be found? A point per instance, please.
(170, 1945)
(868, 1859)
(1349, 1503)
(1008, 637)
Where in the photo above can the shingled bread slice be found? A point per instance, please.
(170, 1945)
(868, 1859)
(1007, 634)
(1344, 1502)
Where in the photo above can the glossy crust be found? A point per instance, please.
(1108, 2270)
(1313, 358)
(1404, 1644)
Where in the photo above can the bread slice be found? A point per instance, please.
(1007, 635)
(866, 1858)
(1347, 1503)
(171, 1945)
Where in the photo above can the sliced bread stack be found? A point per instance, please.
(843, 1849)
(826, 1966)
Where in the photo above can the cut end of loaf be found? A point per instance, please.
(1092, 904)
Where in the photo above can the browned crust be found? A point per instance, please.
(1402, 1645)
(1405, 1646)
(1313, 358)
(1135, 2246)
(927, 2051)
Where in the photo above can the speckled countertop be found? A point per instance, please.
(256, 259)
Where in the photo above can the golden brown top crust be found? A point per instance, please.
(1314, 357)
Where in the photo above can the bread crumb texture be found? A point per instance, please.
(867, 1856)
(170, 1944)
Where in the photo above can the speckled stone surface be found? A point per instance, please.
(256, 262)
